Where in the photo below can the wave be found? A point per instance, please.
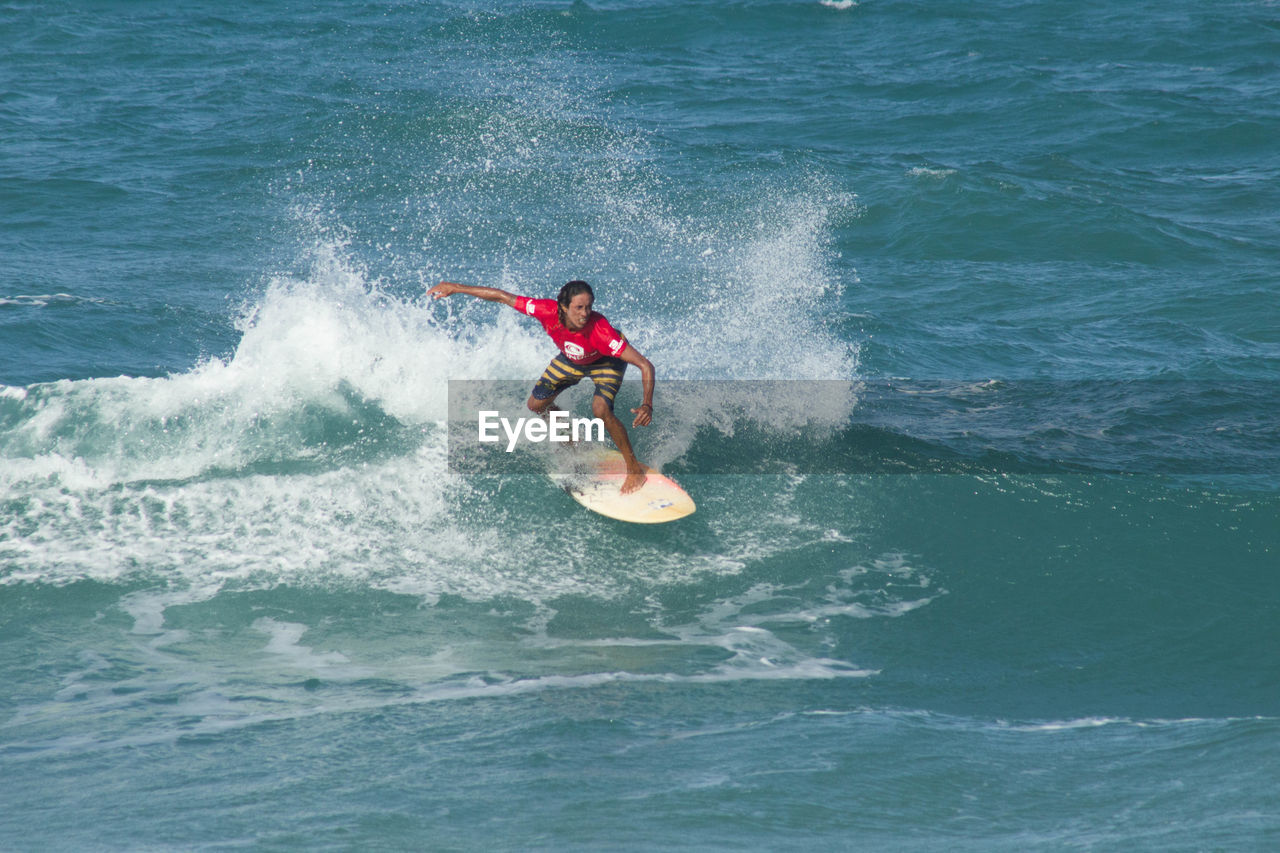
(321, 438)
(318, 448)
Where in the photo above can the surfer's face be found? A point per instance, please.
(575, 316)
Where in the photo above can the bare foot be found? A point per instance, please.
(635, 479)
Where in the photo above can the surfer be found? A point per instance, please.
(589, 347)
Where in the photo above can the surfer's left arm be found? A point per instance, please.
(643, 412)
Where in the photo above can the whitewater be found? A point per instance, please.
(965, 328)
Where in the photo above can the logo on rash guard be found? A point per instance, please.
(616, 345)
(573, 350)
(528, 307)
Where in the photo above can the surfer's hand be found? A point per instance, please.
(443, 289)
(644, 415)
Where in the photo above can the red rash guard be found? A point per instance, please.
(596, 339)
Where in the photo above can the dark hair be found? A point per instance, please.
(571, 290)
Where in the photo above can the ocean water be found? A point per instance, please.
(967, 331)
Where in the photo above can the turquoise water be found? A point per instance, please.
(981, 301)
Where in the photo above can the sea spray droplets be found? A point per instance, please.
(762, 307)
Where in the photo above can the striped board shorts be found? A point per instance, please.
(562, 373)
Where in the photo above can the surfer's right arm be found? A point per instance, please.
(489, 294)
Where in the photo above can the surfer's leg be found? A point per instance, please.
(603, 409)
(559, 375)
(607, 376)
(541, 407)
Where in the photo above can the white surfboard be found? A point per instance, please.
(596, 483)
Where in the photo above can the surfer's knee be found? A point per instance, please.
(601, 408)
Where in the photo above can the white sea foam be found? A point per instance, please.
(204, 696)
(1085, 723)
(24, 300)
(284, 643)
(931, 173)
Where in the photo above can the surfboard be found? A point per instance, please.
(596, 483)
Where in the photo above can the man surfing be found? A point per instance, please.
(589, 347)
